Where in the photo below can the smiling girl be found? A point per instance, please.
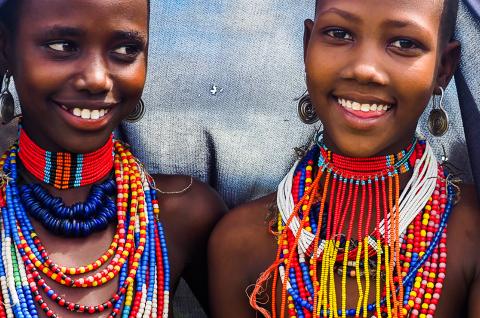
(359, 228)
(84, 228)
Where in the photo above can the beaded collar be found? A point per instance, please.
(65, 170)
(406, 252)
(137, 256)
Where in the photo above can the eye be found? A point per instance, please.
(340, 34)
(405, 44)
(127, 50)
(61, 46)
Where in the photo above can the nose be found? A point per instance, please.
(366, 67)
(94, 75)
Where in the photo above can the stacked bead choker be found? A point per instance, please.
(401, 262)
(65, 170)
(137, 255)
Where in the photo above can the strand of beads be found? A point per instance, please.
(421, 249)
(131, 257)
(79, 220)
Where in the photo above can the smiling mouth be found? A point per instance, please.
(86, 113)
(363, 107)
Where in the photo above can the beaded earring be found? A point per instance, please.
(137, 113)
(438, 118)
(7, 103)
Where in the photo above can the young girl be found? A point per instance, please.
(85, 229)
(360, 224)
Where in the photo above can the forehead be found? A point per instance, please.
(426, 12)
(100, 14)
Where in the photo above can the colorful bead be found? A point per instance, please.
(362, 188)
(65, 170)
(137, 255)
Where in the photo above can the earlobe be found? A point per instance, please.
(448, 63)
(306, 36)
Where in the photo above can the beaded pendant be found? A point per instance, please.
(318, 246)
(137, 255)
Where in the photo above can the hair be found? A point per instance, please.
(447, 22)
(9, 14)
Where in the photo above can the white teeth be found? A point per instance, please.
(77, 112)
(362, 107)
(86, 113)
(95, 114)
(89, 114)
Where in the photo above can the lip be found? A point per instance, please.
(79, 123)
(360, 120)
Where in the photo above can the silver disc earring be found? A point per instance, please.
(7, 103)
(306, 110)
(137, 113)
(438, 118)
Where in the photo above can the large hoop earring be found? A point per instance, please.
(438, 118)
(137, 113)
(306, 110)
(7, 103)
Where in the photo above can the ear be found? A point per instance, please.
(307, 33)
(448, 63)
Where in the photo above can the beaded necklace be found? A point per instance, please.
(65, 170)
(137, 255)
(316, 246)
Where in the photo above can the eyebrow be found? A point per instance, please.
(130, 35)
(344, 14)
(63, 31)
(401, 24)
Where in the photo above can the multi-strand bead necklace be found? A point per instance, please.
(137, 255)
(317, 246)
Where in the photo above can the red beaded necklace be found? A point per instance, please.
(65, 170)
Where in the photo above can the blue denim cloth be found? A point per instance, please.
(241, 138)
(468, 82)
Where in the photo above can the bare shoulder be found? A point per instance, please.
(464, 221)
(245, 229)
(189, 201)
(189, 210)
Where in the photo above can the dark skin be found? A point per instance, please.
(371, 52)
(93, 55)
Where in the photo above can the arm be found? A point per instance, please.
(240, 249)
(189, 218)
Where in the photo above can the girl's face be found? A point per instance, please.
(79, 68)
(372, 66)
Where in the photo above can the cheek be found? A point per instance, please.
(415, 85)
